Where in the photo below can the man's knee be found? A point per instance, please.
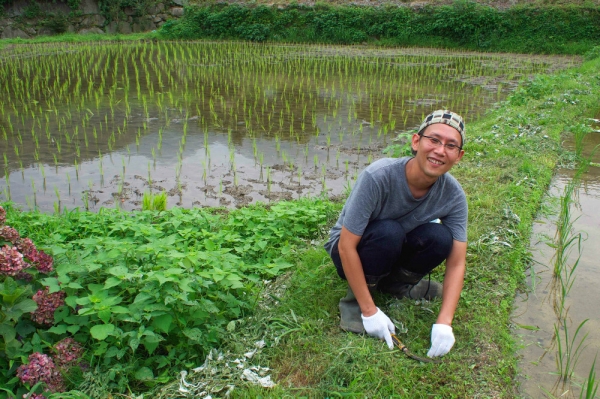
(384, 233)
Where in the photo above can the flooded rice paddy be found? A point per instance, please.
(535, 317)
(222, 124)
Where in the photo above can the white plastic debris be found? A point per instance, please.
(254, 378)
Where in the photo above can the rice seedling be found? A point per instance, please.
(131, 91)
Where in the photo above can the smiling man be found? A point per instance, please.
(403, 218)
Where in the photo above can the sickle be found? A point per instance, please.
(408, 353)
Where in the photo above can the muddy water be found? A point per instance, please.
(222, 124)
(534, 311)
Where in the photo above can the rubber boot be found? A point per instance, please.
(350, 313)
(406, 284)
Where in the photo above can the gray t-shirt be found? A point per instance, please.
(381, 192)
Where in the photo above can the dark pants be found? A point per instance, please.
(385, 247)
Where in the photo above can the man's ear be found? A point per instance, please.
(415, 141)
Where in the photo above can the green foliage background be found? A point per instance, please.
(465, 24)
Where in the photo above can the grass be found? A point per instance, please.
(510, 157)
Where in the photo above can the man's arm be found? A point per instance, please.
(354, 271)
(453, 281)
(375, 322)
(442, 337)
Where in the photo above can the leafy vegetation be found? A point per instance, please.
(464, 24)
(148, 294)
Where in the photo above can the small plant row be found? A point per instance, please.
(136, 297)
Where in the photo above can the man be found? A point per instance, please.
(385, 239)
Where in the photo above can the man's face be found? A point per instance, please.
(435, 160)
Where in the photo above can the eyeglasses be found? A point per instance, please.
(451, 148)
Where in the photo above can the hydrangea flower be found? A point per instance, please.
(9, 234)
(43, 262)
(67, 353)
(47, 304)
(41, 368)
(27, 247)
(2, 216)
(11, 261)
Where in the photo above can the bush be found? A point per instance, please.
(528, 28)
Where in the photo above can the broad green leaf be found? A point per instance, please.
(119, 271)
(26, 306)
(119, 309)
(134, 343)
(111, 282)
(60, 329)
(150, 342)
(74, 285)
(100, 348)
(141, 297)
(92, 266)
(101, 331)
(73, 329)
(51, 283)
(8, 332)
(193, 333)
(104, 315)
(144, 374)
(163, 322)
(112, 352)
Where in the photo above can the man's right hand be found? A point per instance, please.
(380, 326)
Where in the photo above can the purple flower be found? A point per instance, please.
(9, 234)
(41, 368)
(2, 216)
(47, 304)
(43, 262)
(11, 261)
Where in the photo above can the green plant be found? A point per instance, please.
(154, 202)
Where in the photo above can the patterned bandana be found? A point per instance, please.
(446, 117)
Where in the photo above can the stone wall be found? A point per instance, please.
(56, 17)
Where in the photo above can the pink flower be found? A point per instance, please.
(41, 368)
(2, 216)
(27, 248)
(43, 262)
(47, 304)
(9, 234)
(67, 353)
(11, 261)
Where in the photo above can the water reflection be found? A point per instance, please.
(222, 123)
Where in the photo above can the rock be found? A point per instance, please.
(11, 33)
(180, 2)
(111, 28)
(177, 12)
(94, 30)
(89, 7)
(45, 32)
(129, 11)
(144, 25)
(93, 20)
(124, 27)
(157, 19)
(164, 17)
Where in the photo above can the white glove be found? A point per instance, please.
(442, 340)
(380, 326)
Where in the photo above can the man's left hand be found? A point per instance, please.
(442, 340)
